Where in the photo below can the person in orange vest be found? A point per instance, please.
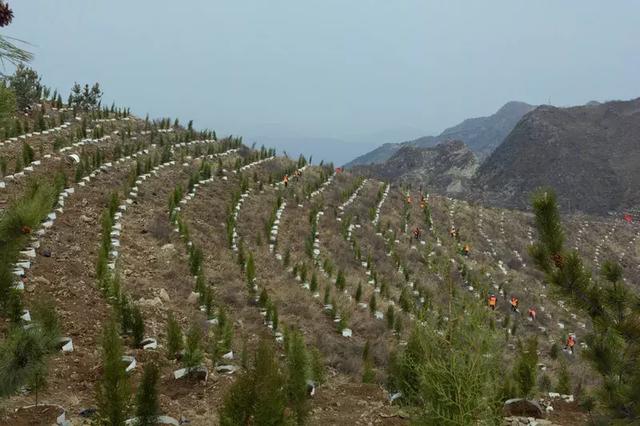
(286, 180)
(514, 304)
(493, 300)
(466, 250)
(571, 342)
(409, 199)
(417, 233)
(532, 313)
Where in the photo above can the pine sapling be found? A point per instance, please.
(148, 406)
(175, 342)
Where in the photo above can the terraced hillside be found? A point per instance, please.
(165, 228)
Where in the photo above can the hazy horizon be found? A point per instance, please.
(333, 79)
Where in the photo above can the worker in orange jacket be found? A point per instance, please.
(493, 300)
(286, 180)
(571, 342)
(514, 304)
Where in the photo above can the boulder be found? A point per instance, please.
(41, 280)
(150, 302)
(522, 407)
(193, 298)
(164, 295)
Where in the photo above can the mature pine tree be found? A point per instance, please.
(27, 86)
(613, 348)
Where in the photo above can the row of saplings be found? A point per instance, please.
(27, 343)
(267, 391)
(451, 371)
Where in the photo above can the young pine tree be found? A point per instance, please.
(22, 359)
(258, 395)
(251, 273)
(270, 387)
(175, 342)
(564, 380)
(238, 404)
(613, 347)
(340, 280)
(313, 287)
(368, 373)
(147, 405)
(372, 303)
(193, 354)
(297, 365)
(448, 369)
(526, 367)
(113, 389)
(391, 318)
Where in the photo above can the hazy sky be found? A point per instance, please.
(334, 77)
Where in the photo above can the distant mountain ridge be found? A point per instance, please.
(481, 134)
(589, 154)
(444, 168)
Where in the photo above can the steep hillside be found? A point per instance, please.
(589, 154)
(482, 135)
(444, 168)
(170, 231)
